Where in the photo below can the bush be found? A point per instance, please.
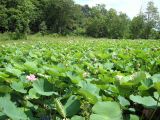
(155, 34)
(17, 35)
(43, 28)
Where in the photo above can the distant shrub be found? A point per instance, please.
(4, 36)
(43, 28)
(12, 36)
(155, 34)
(55, 35)
(79, 31)
(17, 35)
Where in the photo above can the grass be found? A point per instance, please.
(33, 39)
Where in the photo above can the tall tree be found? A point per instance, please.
(96, 22)
(124, 23)
(3, 18)
(113, 24)
(137, 27)
(15, 15)
(152, 16)
(60, 15)
(108, 24)
(38, 15)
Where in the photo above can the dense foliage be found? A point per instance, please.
(65, 17)
(80, 80)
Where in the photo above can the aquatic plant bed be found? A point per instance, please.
(80, 80)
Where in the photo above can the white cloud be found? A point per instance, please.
(131, 7)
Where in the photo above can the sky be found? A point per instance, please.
(130, 7)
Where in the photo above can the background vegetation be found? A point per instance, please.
(21, 17)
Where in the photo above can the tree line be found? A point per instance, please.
(22, 17)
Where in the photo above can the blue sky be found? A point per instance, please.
(131, 7)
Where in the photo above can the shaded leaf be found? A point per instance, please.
(11, 110)
(43, 87)
(72, 106)
(5, 89)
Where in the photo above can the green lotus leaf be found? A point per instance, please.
(106, 111)
(147, 101)
(43, 87)
(72, 106)
(11, 110)
(13, 71)
(77, 118)
(18, 86)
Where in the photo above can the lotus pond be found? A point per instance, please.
(80, 79)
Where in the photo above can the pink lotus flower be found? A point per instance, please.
(31, 77)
